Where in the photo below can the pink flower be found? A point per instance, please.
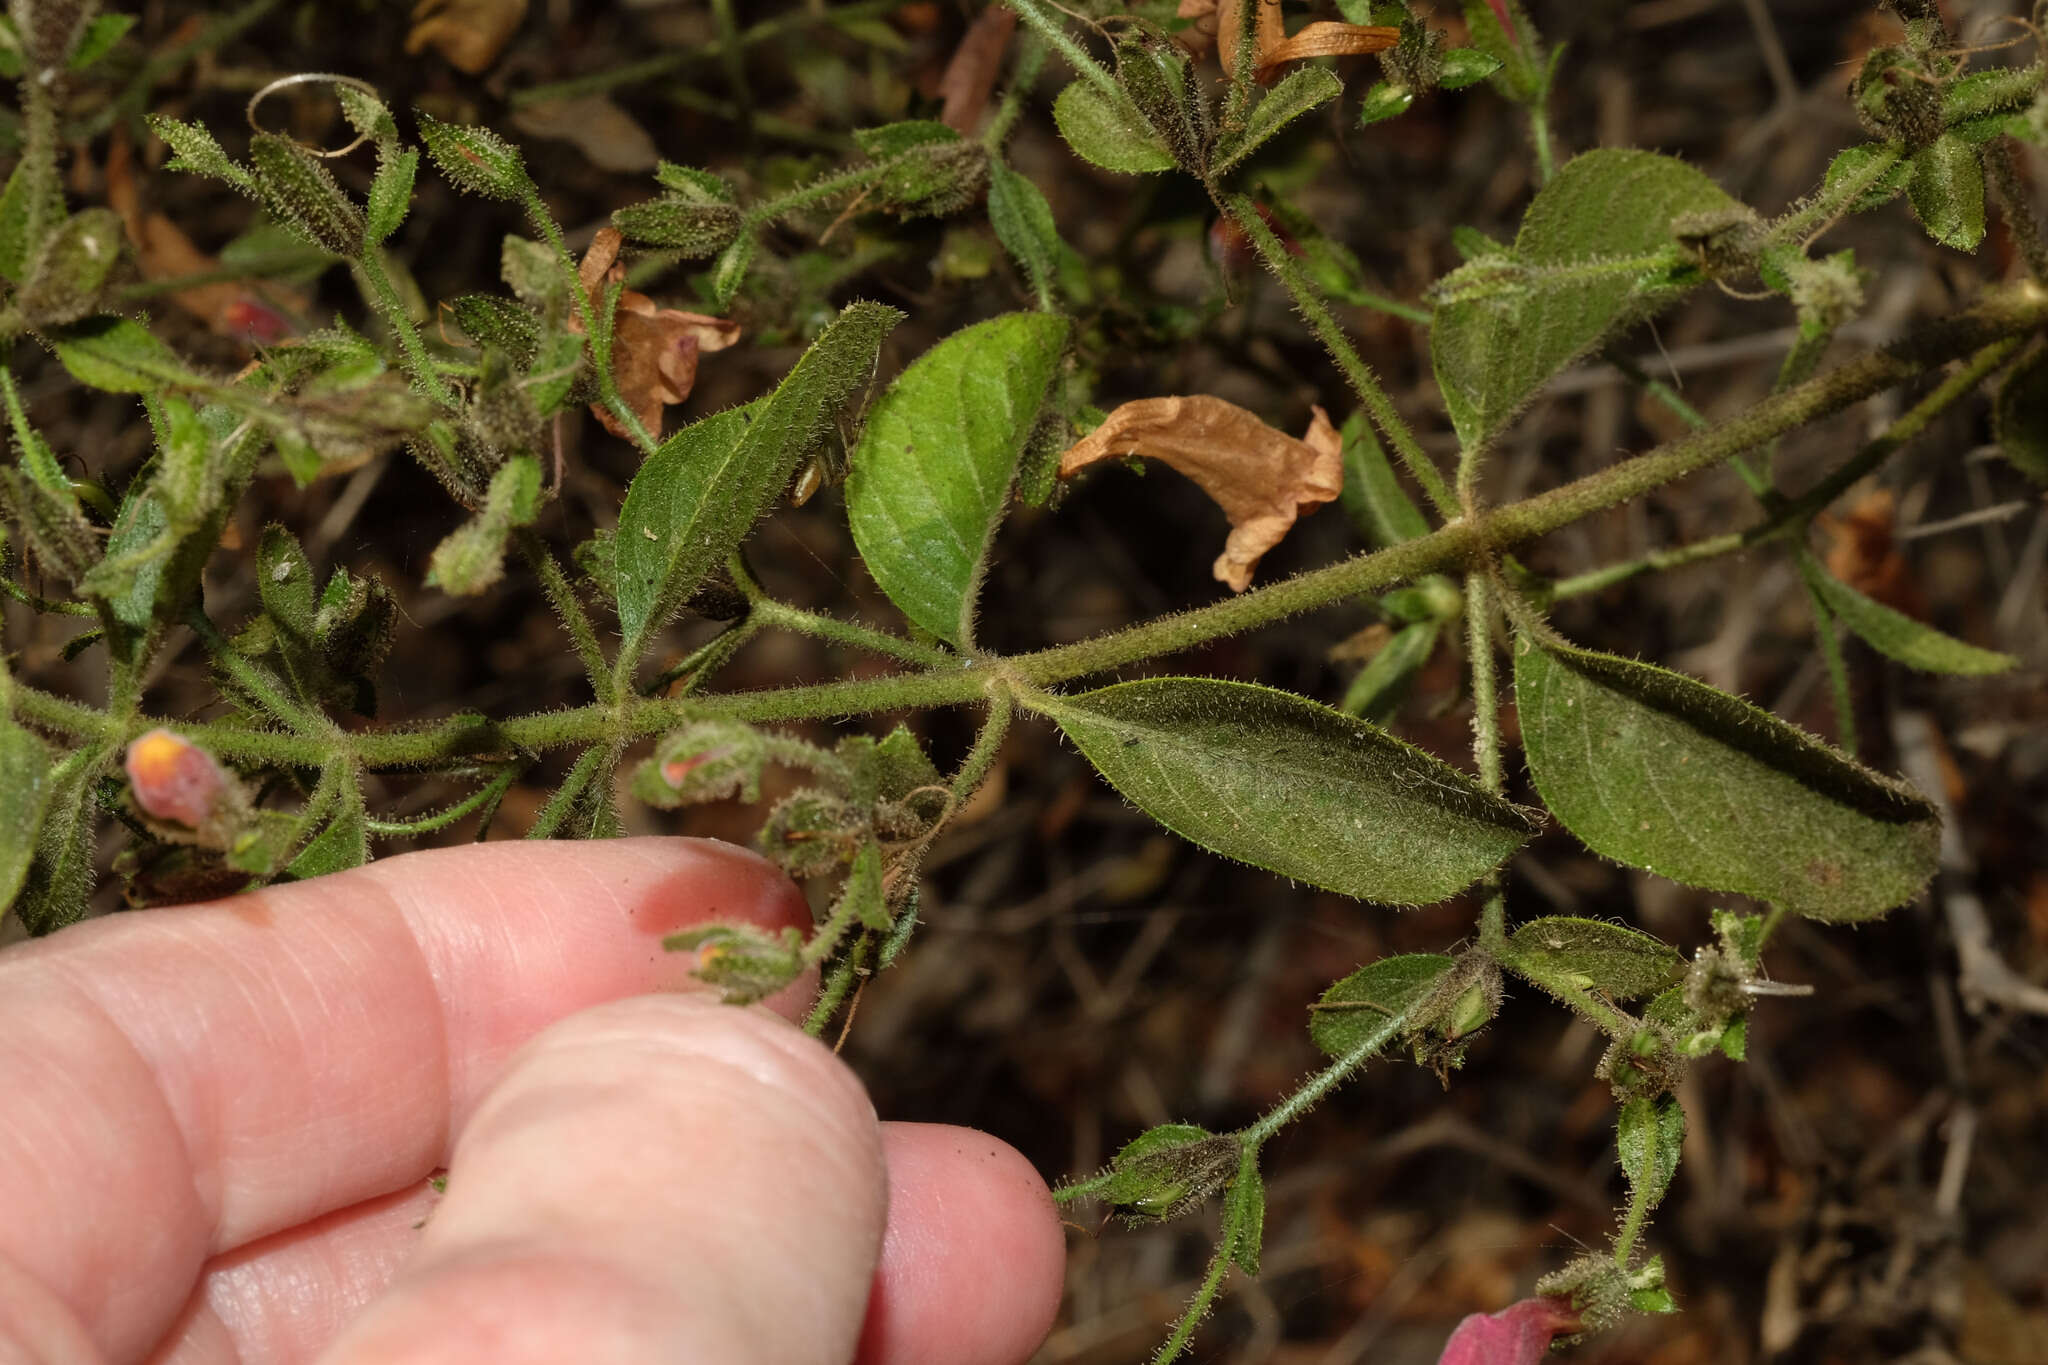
(1519, 1334)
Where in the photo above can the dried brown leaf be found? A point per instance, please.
(1324, 38)
(468, 33)
(1261, 477)
(1268, 31)
(971, 74)
(1863, 553)
(1219, 21)
(609, 138)
(654, 349)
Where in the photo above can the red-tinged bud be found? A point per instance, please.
(1507, 21)
(1519, 1334)
(1231, 248)
(251, 319)
(176, 780)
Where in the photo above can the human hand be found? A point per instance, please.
(219, 1122)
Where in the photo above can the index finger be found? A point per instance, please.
(181, 1082)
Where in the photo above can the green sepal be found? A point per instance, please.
(475, 159)
(390, 192)
(472, 557)
(693, 227)
(1168, 1171)
(300, 190)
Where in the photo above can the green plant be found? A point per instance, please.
(1645, 766)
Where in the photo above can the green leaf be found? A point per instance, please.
(1309, 88)
(1109, 133)
(696, 498)
(1660, 771)
(931, 477)
(1367, 1007)
(1379, 687)
(475, 159)
(656, 569)
(33, 201)
(1244, 1213)
(194, 149)
(25, 790)
(60, 875)
(343, 843)
(138, 550)
(101, 33)
(1650, 1133)
(1277, 781)
(1024, 225)
(1373, 496)
(390, 193)
(1855, 162)
(861, 897)
(66, 274)
(1465, 66)
(1898, 636)
(694, 186)
(1383, 101)
(2020, 419)
(1595, 252)
(121, 356)
(1947, 192)
(1594, 955)
(1473, 245)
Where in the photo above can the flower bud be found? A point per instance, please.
(176, 781)
(709, 760)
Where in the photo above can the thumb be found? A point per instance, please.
(662, 1178)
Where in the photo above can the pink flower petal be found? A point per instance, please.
(1519, 1334)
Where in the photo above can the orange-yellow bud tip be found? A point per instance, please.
(173, 778)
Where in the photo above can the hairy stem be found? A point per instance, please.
(1383, 1031)
(1037, 16)
(1994, 331)
(852, 634)
(419, 366)
(1023, 76)
(1363, 381)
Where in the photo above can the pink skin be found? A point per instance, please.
(220, 1120)
(1519, 1334)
